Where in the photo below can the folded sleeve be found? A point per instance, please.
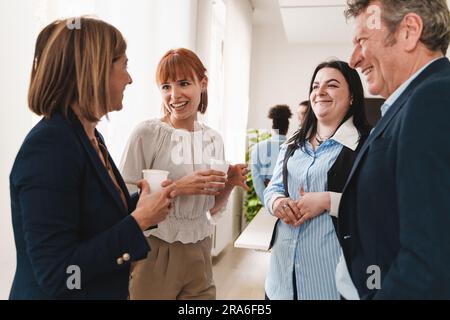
(335, 200)
(275, 189)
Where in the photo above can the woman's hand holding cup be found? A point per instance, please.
(153, 207)
(207, 182)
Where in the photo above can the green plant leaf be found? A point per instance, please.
(251, 202)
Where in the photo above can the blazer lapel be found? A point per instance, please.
(121, 183)
(118, 176)
(393, 111)
(381, 125)
(97, 163)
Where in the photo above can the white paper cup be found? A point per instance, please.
(219, 165)
(155, 178)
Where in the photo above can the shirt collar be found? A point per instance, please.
(397, 93)
(347, 135)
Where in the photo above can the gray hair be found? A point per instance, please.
(434, 13)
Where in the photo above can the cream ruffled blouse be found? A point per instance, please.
(156, 145)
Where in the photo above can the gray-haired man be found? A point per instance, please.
(394, 214)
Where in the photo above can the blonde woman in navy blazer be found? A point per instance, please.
(76, 228)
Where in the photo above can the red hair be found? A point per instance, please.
(182, 63)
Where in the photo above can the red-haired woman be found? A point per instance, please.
(179, 264)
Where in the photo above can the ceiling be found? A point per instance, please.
(315, 21)
(266, 12)
(306, 21)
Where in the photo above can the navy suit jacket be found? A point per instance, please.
(67, 212)
(395, 209)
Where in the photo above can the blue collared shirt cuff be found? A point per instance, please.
(272, 199)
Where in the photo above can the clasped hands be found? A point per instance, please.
(295, 213)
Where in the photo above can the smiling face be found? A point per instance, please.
(330, 96)
(375, 58)
(181, 97)
(119, 79)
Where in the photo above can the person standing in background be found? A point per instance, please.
(301, 111)
(264, 154)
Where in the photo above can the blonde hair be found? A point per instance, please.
(71, 67)
(180, 63)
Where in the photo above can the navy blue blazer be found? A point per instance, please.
(67, 212)
(395, 209)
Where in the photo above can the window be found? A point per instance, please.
(214, 115)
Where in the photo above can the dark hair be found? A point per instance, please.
(280, 115)
(309, 127)
(304, 103)
(434, 14)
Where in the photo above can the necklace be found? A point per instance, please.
(321, 140)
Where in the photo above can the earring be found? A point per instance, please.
(201, 101)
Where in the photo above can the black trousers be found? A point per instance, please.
(294, 285)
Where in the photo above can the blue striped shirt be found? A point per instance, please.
(313, 248)
(263, 158)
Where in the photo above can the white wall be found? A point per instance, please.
(204, 18)
(237, 55)
(281, 72)
(17, 38)
(231, 122)
(237, 65)
(150, 27)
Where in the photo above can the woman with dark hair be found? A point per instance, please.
(264, 154)
(309, 176)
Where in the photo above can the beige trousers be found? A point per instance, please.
(174, 271)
